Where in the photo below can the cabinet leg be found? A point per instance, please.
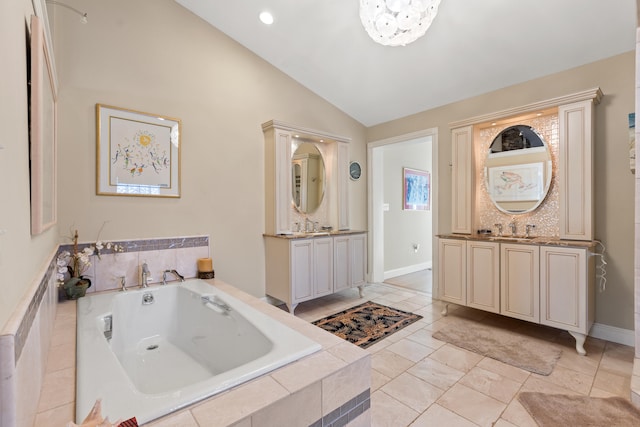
(292, 308)
(445, 310)
(361, 291)
(579, 342)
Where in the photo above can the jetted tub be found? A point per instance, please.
(148, 352)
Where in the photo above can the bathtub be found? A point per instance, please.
(148, 352)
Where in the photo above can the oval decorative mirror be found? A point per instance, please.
(518, 170)
(308, 178)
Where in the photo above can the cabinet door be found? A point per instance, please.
(302, 269)
(358, 259)
(341, 263)
(564, 288)
(519, 281)
(322, 266)
(452, 277)
(462, 179)
(483, 275)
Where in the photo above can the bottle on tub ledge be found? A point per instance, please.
(205, 268)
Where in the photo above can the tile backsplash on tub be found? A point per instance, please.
(179, 253)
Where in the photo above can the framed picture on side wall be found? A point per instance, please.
(43, 124)
(138, 154)
(416, 190)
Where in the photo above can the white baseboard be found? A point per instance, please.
(407, 270)
(613, 334)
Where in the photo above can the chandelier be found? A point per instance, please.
(397, 22)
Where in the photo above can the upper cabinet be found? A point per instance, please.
(575, 167)
(535, 160)
(462, 179)
(306, 178)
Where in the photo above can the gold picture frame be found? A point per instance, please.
(137, 153)
(43, 124)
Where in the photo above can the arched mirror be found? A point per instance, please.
(308, 178)
(518, 170)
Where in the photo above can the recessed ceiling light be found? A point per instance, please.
(266, 18)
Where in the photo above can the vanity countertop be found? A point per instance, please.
(302, 235)
(540, 240)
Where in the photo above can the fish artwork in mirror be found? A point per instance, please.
(308, 178)
(518, 170)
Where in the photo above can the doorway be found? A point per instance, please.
(402, 251)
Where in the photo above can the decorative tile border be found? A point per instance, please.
(346, 413)
(27, 321)
(147, 244)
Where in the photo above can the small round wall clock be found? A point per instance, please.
(355, 171)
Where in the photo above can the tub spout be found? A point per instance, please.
(174, 272)
(145, 275)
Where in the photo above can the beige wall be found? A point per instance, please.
(403, 228)
(614, 193)
(157, 57)
(21, 255)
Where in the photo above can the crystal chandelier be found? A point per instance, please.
(397, 22)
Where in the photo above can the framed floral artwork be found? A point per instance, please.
(43, 150)
(416, 189)
(516, 183)
(138, 154)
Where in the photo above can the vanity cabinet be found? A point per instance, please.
(452, 271)
(483, 275)
(542, 283)
(311, 268)
(349, 261)
(303, 268)
(565, 301)
(519, 281)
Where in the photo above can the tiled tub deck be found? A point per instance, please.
(330, 387)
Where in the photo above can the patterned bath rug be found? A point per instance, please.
(513, 348)
(367, 323)
(551, 410)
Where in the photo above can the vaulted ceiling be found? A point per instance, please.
(472, 47)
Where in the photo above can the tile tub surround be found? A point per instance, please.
(24, 344)
(25, 339)
(330, 386)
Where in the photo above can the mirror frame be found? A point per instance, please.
(297, 206)
(530, 177)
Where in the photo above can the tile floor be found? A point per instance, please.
(420, 381)
(418, 281)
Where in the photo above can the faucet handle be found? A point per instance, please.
(123, 283)
(528, 229)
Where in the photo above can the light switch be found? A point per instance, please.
(385, 207)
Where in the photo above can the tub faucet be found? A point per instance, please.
(123, 283)
(145, 275)
(174, 272)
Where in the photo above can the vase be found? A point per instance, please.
(76, 287)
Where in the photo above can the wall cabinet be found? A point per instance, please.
(278, 138)
(301, 269)
(547, 284)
